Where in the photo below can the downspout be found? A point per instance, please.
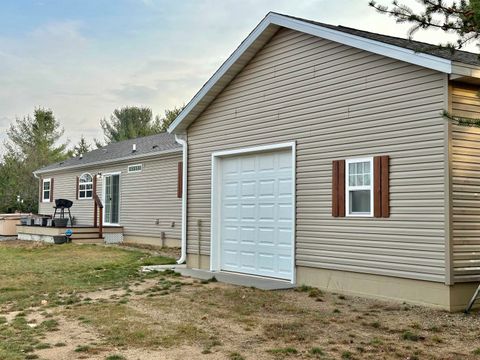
(183, 142)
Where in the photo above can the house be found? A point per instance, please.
(332, 165)
(136, 182)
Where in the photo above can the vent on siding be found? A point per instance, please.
(135, 168)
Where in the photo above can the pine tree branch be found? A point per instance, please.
(460, 120)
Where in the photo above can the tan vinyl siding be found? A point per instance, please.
(144, 196)
(336, 102)
(466, 184)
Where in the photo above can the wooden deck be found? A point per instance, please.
(82, 234)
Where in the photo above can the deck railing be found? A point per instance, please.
(98, 210)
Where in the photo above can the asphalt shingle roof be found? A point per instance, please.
(417, 46)
(123, 149)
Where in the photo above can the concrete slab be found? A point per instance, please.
(7, 238)
(238, 279)
(173, 267)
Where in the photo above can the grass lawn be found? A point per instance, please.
(37, 275)
(96, 305)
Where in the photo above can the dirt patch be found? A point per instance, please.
(165, 316)
(219, 321)
(172, 252)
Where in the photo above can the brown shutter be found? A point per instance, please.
(381, 188)
(40, 188)
(338, 188)
(76, 190)
(180, 180)
(51, 189)
(385, 186)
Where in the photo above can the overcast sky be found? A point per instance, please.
(85, 58)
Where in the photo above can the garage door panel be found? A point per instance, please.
(248, 235)
(266, 235)
(256, 214)
(249, 189)
(266, 188)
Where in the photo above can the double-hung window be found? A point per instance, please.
(359, 187)
(85, 186)
(46, 189)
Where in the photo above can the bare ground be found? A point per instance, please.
(154, 319)
(165, 316)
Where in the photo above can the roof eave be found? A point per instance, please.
(110, 161)
(260, 36)
(465, 72)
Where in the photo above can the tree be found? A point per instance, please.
(32, 143)
(82, 147)
(131, 122)
(461, 18)
(128, 123)
(170, 116)
(9, 179)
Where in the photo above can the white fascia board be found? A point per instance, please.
(107, 162)
(221, 72)
(377, 47)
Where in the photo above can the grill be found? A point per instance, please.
(61, 205)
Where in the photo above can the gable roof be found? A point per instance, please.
(415, 52)
(118, 151)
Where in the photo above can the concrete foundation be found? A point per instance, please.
(433, 294)
(154, 241)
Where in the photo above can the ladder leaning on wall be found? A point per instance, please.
(475, 297)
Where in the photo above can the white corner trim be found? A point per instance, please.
(216, 157)
(378, 47)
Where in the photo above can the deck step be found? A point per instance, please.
(85, 235)
(88, 241)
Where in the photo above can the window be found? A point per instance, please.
(359, 187)
(46, 189)
(85, 186)
(135, 168)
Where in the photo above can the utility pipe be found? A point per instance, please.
(183, 256)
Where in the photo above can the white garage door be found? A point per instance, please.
(256, 214)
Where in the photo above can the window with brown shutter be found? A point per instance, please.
(360, 187)
(180, 180)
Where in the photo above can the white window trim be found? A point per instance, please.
(364, 187)
(119, 173)
(80, 183)
(135, 171)
(49, 180)
(216, 158)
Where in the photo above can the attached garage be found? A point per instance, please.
(317, 155)
(253, 211)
